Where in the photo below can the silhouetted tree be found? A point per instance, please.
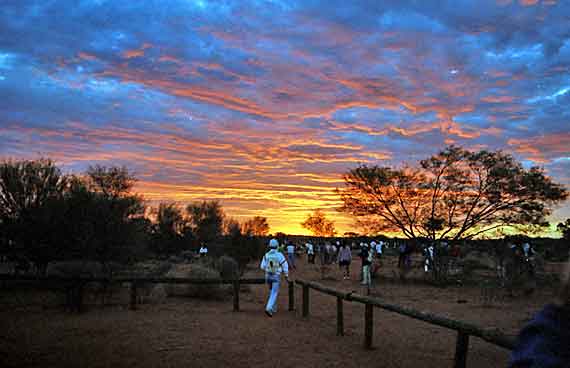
(206, 220)
(256, 226)
(455, 194)
(242, 247)
(170, 231)
(318, 224)
(111, 181)
(231, 227)
(25, 189)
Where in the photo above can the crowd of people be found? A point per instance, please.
(342, 252)
(336, 252)
(434, 255)
(541, 343)
(282, 257)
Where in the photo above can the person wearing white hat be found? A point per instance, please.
(274, 264)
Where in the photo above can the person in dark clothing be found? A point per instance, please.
(366, 258)
(545, 341)
(402, 250)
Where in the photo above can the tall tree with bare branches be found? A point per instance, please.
(454, 194)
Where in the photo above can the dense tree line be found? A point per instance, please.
(46, 215)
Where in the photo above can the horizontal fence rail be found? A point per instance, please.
(74, 285)
(142, 280)
(464, 329)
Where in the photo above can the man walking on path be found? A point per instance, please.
(274, 263)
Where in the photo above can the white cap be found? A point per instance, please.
(273, 244)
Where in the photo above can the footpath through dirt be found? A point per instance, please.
(201, 333)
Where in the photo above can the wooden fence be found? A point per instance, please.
(74, 292)
(464, 329)
(74, 286)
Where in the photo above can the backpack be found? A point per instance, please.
(273, 262)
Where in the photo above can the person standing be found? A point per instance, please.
(203, 250)
(274, 264)
(379, 249)
(291, 254)
(310, 253)
(328, 252)
(344, 259)
(529, 252)
(429, 254)
(377, 264)
(366, 257)
(402, 255)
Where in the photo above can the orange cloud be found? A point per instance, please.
(542, 148)
(498, 99)
(129, 54)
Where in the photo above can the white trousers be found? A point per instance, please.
(274, 283)
(366, 280)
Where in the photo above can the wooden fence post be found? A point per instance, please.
(368, 324)
(77, 296)
(291, 296)
(236, 295)
(461, 349)
(339, 317)
(305, 301)
(133, 305)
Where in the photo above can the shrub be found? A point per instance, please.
(228, 268)
(198, 271)
(154, 268)
(76, 269)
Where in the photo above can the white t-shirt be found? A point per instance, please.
(290, 248)
(379, 247)
(274, 262)
(309, 247)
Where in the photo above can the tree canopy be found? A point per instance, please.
(206, 219)
(454, 194)
(564, 228)
(256, 226)
(318, 224)
(47, 216)
(28, 184)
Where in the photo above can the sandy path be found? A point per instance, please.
(199, 333)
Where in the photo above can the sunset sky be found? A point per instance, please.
(263, 105)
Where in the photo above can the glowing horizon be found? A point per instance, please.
(263, 105)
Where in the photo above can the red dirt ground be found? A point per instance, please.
(201, 333)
